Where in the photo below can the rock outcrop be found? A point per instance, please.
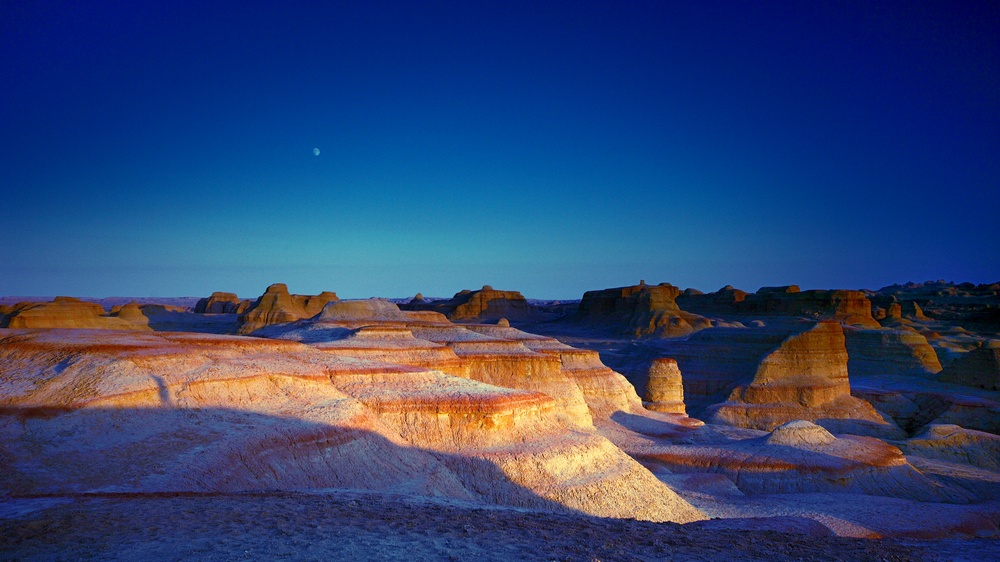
(800, 456)
(889, 352)
(485, 305)
(805, 378)
(277, 306)
(979, 367)
(847, 307)
(640, 310)
(69, 312)
(218, 303)
(665, 390)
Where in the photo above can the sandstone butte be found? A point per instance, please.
(640, 310)
(804, 378)
(486, 304)
(222, 303)
(277, 306)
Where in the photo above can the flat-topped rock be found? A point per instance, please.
(486, 304)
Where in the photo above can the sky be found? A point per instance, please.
(167, 148)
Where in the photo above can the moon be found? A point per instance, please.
(315, 152)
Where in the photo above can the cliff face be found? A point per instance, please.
(640, 310)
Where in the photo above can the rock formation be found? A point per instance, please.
(889, 352)
(805, 378)
(218, 303)
(800, 456)
(847, 307)
(205, 413)
(277, 306)
(69, 312)
(640, 310)
(979, 367)
(484, 305)
(665, 391)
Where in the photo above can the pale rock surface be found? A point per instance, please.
(96, 411)
(665, 389)
(954, 443)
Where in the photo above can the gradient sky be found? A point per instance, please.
(166, 148)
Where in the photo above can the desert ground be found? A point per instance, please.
(637, 423)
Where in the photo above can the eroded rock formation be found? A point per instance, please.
(277, 306)
(69, 312)
(805, 378)
(640, 310)
(486, 304)
(665, 390)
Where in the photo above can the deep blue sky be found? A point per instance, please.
(546, 147)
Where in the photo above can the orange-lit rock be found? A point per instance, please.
(665, 390)
(640, 310)
(805, 378)
(69, 312)
(277, 306)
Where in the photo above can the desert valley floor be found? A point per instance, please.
(638, 423)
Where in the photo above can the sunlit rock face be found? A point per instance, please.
(640, 310)
(848, 307)
(484, 305)
(69, 312)
(665, 390)
(218, 303)
(804, 378)
(277, 306)
(94, 411)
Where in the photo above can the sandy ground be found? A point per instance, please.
(343, 525)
